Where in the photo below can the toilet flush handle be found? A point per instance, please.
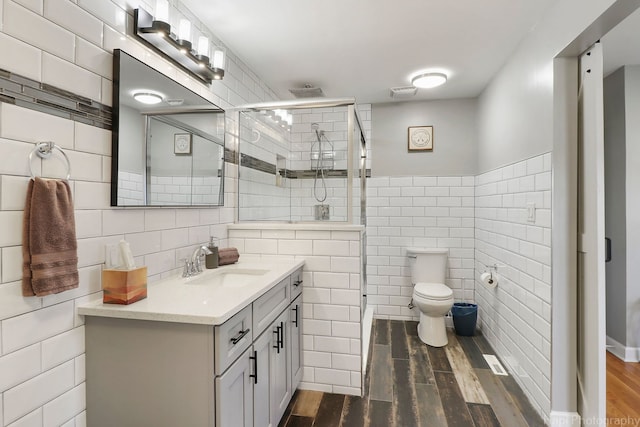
(412, 256)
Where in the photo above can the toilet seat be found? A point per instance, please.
(433, 291)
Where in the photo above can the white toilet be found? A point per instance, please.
(433, 298)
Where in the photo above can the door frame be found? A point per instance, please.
(564, 215)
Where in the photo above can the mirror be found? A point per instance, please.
(168, 142)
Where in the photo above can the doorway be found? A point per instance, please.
(621, 95)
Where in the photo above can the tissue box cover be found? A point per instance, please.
(124, 286)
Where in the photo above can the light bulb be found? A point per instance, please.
(162, 10)
(203, 46)
(218, 59)
(184, 31)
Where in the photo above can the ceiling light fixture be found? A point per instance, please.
(147, 98)
(429, 80)
(156, 33)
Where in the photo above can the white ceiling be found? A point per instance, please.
(362, 48)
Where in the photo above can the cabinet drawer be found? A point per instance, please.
(296, 283)
(232, 338)
(270, 305)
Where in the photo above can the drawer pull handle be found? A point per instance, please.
(240, 335)
(295, 321)
(281, 335)
(297, 283)
(255, 367)
(277, 344)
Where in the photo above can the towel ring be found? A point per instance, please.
(44, 151)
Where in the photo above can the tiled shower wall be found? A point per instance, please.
(427, 211)
(331, 296)
(334, 123)
(516, 315)
(262, 196)
(294, 200)
(68, 45)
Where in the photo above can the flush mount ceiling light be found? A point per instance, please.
(147, 98)
(429, 80)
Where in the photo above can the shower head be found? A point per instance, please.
(316, 128)
(307, 91)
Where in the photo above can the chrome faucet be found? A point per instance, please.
(196, 259)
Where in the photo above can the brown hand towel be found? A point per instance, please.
(49, 246)
(228, 256)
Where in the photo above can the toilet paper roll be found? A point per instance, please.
(488, 281)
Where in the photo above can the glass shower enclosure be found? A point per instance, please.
(305, 162)
(302, 161)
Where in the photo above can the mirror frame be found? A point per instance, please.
(207, 106)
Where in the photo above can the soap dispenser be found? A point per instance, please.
(211, 260)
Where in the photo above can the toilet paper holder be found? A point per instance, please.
(493, 269)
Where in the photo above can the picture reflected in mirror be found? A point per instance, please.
(168, 142)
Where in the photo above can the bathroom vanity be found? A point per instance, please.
(219, 349)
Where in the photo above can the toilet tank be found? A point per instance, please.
(428, 265)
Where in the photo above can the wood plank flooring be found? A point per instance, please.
(623, 391)
(410, 384)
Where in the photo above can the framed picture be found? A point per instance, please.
(420, 138)
(182, 143)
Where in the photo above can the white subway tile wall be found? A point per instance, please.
(421, 211)
(69, 45)
(263, 198)
(516, 316)
(331, 298)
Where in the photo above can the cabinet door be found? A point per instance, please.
(280, 373)
(262, 379)
(295, 343)
(234, 394)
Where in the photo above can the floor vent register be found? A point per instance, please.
(495, 364)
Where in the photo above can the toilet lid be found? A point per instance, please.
(435, 291)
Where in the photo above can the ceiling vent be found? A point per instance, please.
(403, 92)
(308, 91)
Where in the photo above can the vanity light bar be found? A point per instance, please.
(157, 34)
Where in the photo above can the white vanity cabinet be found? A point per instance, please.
(295, 342)
(240, 373)
(266, 365)
(295, 320)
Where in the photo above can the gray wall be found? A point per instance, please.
(622, 180)
(632, 106)
(454, 135)
(615, 204)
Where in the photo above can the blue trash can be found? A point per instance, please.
(465, 316)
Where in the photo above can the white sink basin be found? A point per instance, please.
(228, 278)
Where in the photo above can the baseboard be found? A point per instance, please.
(627, 354)
(564, 419)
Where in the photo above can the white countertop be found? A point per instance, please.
(195, 299)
